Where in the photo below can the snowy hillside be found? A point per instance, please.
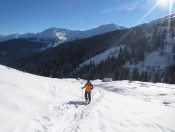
(156, 59)
(146, 51)
(102, 56)
(60, 35)
(36, 104)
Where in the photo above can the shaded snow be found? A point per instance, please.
(37, 104)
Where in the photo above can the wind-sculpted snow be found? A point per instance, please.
(36, 104)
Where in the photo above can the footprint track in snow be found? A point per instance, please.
(77, 118)
(66, 117)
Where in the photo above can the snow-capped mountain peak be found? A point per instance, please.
(53, 33)
(60, 35)
(8, 37)
(110, 26)
(2, 35)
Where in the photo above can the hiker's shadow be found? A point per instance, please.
(76, 103)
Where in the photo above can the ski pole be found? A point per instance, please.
(82, 93)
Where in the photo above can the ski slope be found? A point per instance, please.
(30, 103)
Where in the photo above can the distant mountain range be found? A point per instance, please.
(60, 35)
(145, 52)
(16, 46)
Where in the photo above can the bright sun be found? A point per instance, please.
(165, 4)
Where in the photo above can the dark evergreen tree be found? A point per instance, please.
(156, 78)
(135, 74)
(170, 75)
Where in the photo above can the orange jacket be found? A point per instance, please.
(88, 87)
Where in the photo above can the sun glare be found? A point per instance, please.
(165, 4)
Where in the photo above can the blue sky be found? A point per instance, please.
(21, 16)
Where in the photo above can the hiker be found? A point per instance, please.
(88, 87)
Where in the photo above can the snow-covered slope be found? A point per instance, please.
(36, 104)
(60, 35)
(114, 51)
(156, 40)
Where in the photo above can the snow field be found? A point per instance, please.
(37, 104)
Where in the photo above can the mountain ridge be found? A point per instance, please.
(60, 35)
(142, 43)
